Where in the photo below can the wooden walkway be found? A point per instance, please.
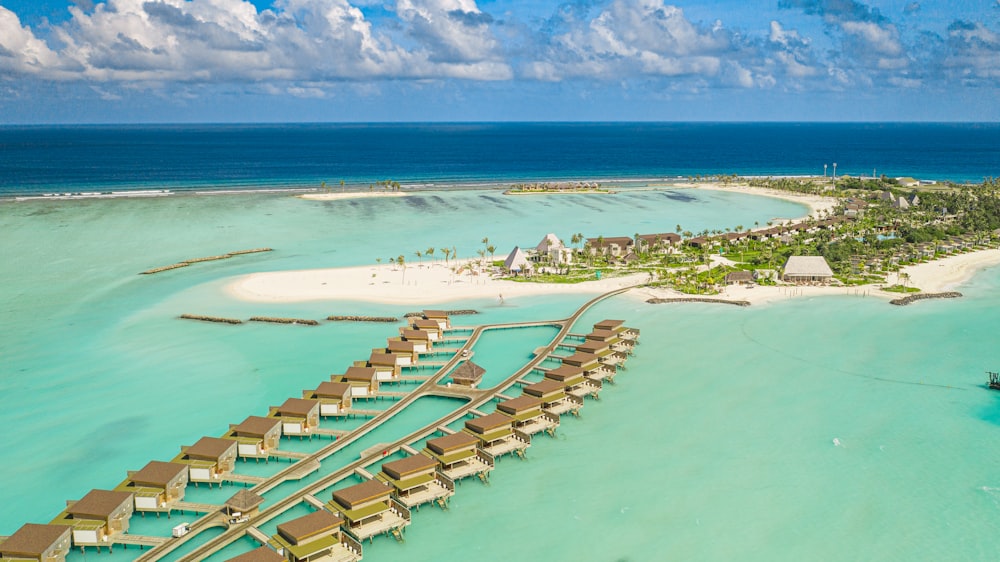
(243, 478)
(430, 386)
(197, 507)
(141, 540)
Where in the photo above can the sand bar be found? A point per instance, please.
(350, 195)
(946, 274)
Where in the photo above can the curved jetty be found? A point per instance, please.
(923, 296)
(386, 319)
(512, 434)
(186, 263)
(275, 320)
(217, 319)
(692, 299)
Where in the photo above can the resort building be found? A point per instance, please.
(658, 243)
(363, 380)
(551, 249)
(369, 509)
(615, 246)
(420, 339)
(405, 351)
(262, 554)
(243, 505)
(416, 481)
(387, 366)
(256, 436)
(98, 518)
(553, 395)
(741, 277)
(468, 374)
(157, 486)
(496, 434)
(433, 329)
(314, 537)
(517, 262)
(458, 456)
(807, 270)
(574, 381)
(439, 316)
(298, 416)
(334, 398)
(42, 543)
(528, 415)
(209, 460)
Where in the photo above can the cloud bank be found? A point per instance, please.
(308, 47)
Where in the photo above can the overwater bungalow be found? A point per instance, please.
(433, 329)
(611, 352)
(243, 505)
(497, 435)
(421, 339)
(298, 416)
(98, 518)
(387, 366)
(458, 456)
(314, 537)
(369, 509)
(363, 380)
(209, 460)
(553, 395)
(262, 554)
(417, 481)
(334, 398)
(619, 328)
(405, 351)
(157, 486)
(528, 415)
(256, 436)
(41, 543)
(594, 367)
(574, 380)
(439, 316)
(467, 374)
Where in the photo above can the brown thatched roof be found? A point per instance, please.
(320, 522)
(468, 371)
(244, 500)
(98, 504)
(486, 423)
(453, 442)
(361, 493)
(262, 554)
(31, 540)
(405, 467)
(158, 473)
(210, 448)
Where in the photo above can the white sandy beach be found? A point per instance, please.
(816, 203)
(436, 282)
(428, 283)
(331, 196)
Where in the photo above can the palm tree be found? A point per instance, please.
(454, 252)
(491, 249)
(447, 253)
(322, 185)
(429, 252)
(341, 186)
(402, 262)
(418, 255)
(678, 229)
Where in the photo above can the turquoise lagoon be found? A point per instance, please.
(836, 428)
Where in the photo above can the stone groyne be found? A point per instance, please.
(386, 319)
(463, 312)
(216, 319)
(692, 299)
(275, 320)
(903, 301)
(186, 263)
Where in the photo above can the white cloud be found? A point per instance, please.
(20, 50)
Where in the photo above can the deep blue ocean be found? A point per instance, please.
(42, 159)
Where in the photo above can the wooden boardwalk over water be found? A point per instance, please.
(431, 387)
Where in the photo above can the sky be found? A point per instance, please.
(167, 61)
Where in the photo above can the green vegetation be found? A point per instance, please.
(901, 289)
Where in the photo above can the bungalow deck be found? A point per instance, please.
(517, 443)
(392, 519)
(481, 463)
(546, 422)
